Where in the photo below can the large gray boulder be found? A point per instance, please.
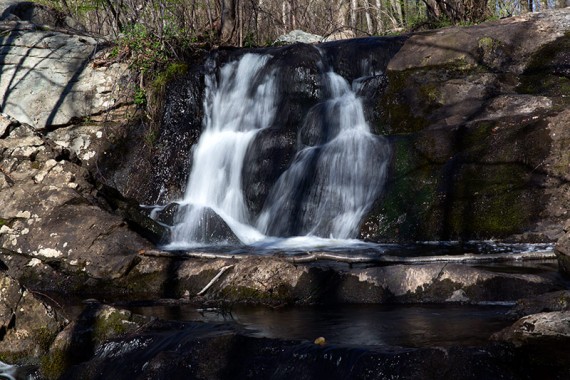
(49, 78)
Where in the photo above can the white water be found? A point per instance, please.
(236, 108)
(339, 178)
(321, 198)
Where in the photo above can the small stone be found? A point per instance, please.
(321, 341)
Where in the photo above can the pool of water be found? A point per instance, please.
(360, 325)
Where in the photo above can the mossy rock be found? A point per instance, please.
(474, 181)
(53, 365)
(415, 97)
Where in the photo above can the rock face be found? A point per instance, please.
(51, 216)
(36, 63)
(479, 140)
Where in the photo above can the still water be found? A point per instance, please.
(360, 325)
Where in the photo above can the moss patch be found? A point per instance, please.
(470, 182)
(53, 365)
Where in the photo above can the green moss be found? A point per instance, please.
(488, 202)
(110, 323)
(44, 337)
(463, 183)
(430, 93)
(488, 45)
(172, 71)
(20, 358)
(410, 206)
(53, 365)
(397, 108)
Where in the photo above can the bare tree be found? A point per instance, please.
(369, 24)
(457, 10)
(228, 20)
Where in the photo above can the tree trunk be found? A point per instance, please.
(341, 15)
(397, 10)
(228, 26)
(353, 8)
(379, 23)
(458, 10)
(369, 25)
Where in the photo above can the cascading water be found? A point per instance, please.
(331, 184)
(236, 107)
(335, 177)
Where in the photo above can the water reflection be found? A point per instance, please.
(360, 325)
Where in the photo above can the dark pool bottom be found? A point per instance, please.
(359, 325)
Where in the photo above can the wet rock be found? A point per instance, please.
(563, 253)
(137, 218)
(151, 163)
(27, 324)
(208, 228)
(549, 302)
(216, 351)
(95, 325)
(538, 328)
(274, 281)
(168, 214)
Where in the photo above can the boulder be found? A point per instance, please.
(548, 302)
(28, 325)
(298, 36)
(86, 334)
(77, 86)
(538, 328)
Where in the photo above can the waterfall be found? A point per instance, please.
(333, 180)
(331, 185)
(236, 107)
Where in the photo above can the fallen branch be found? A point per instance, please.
(191, 255)
(310, 257)
(387, 259)
(216, 277)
